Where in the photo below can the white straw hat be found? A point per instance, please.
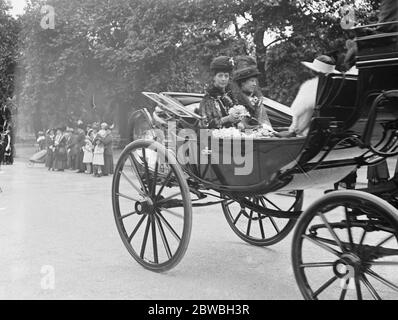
(322, 64)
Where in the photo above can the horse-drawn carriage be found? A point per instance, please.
(345, 245)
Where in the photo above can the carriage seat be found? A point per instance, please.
(337, 97)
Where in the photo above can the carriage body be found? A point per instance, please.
(335, 145)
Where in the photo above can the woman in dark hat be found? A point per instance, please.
(60, 155)
(218, 98)
(246, 92)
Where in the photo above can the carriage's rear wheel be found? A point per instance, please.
(345, 247)
(152, 205)
(257, 228)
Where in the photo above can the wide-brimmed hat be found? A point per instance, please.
(222, 64)
(322, 64)
(245, 68)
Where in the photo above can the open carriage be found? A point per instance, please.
(345, 245)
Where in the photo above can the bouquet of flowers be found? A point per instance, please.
(234, 133)
(239, 110)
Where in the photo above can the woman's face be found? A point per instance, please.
(249, 85)
(221, 79)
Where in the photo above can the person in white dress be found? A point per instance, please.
(88, 149)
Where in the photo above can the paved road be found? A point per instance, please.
(61, 224)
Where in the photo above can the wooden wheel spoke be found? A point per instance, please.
(358, 287)
(168, 226)
(385, 240)
(363, 237)
(163, 236)
(269, 217)
(263, 203)
(176, 214)
(154, 240)
(168, 198)
(228, 203)
(146, 169)
(260, 222)
(317, 265)
(381, 279)
(249, 223)
(143, 247)
(131, 183)
(155, 178)
(274, 224)
(126, 197)
(127, 215)
(135, 170)
(350, 237)
(136, 228)
(383, 263)
(273, 204)
(324, 286)
(322, 245)
(334, 235)
(238, 216)
(166, 181)
(370, 288)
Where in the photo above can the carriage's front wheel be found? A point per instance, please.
(345, 247)
(258, 228)
(152, 205)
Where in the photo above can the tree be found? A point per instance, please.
(110, 51)
(9, 29)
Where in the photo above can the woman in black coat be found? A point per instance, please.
(60, 155)
(215, 105)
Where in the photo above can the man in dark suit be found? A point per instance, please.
(6, 142)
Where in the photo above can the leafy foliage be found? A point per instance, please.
(9, 28)
(113, 50)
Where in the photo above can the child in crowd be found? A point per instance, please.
(98, 157)
(88, 151)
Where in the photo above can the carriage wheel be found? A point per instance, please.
(259, 229)
(152, 205)
(345, 247)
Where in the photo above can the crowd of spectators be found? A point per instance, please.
(83, 149)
